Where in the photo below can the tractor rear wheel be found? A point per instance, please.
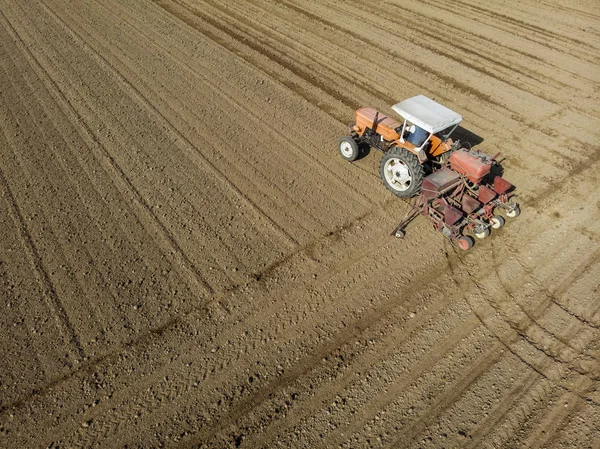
(401, 172)
(348, 148)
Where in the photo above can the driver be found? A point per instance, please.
(416, 135)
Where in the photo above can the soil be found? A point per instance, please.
(186, 261)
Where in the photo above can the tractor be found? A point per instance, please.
(411, 149)
(456, 188)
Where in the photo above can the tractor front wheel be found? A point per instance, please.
(401, 172)
(348, 148)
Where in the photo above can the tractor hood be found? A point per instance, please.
(427, 113)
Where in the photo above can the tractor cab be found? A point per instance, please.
(427, 124)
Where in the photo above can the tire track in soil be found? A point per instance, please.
(519, 330)
(571, 10)
(410, 62)
(504, 109)
(114, 168)
(356, 363)
(476, 439)
(194, 151)
(556, 293)
(127, 141)
(75, 226)
(554, 421)
(455, 391)
(54, 302)
(235, 104)
(361, 39)
(516, 395)
(535, 34)
(271, 131)
(304, 368)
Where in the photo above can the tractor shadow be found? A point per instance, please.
(364, 150)
(468, 138)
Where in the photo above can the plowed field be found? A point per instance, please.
(186, 261)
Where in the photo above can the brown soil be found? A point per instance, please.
(186, 261)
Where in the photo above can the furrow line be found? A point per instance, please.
(519, 330)
(515, 25)
(260, 46)
(509, 65)
(54, 302)
(343, 377)
(193, 117)
(325, 62)
(244, 407)
(389, 396)
(507, 342)
(236, 104)
(570, 10)
(119, 176)
(434, 47)
(459, 86)
(555, 420)
(556, 293)
(120, 135)
(154, 111)
(72, 225)
(517, 394)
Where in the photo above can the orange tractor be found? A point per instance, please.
(457, 188)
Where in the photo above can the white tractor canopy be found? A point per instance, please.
(427, 114)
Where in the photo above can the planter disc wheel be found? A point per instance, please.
(348, 149)
(465, 242)
(514, 212)
(401, 172)
(482, 234)
(497, 222)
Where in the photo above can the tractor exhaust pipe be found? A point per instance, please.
(374, 125)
